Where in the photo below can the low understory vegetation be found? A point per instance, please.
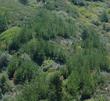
(54, 50)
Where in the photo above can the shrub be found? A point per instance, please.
(55, 88)
(49, 25)
(39, 50)
(35, 90)
(104, 17)
(73, 83)
(4, 86)
(63, 7)
(8, 38)
(79, 83)
(3, 25)
(4, 60)
(84, 66)
(26, 72)
(90, 38)
(79, 2)
(23, 1)
(21, 69)
(40, 0)
(101, 98)
(12, 67)
(106, 27)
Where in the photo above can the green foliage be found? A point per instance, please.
(79, 2)
(21, 69)
(55, 88)
(104, 17)
(21, 38)
(7, 38)
(4, 86)
(63, 6)
(11, 32)
(95, 49)
(3, 25)
(78, 81)
(35, 91)
(90, 38)
(49, 25)
(43, 87)
(73, 84)
(101, 98)
(40, 0)
(84, 67)
(23, 1)
(13, 64)
(4, 60)
(39, 50)
(25, 72)
(53, 33)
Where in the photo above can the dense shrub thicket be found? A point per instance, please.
(39, 50)
(21, 69)
(3, 24)
(53, 50)
(48, 24)
(23, 1)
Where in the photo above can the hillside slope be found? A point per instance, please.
(54, 50)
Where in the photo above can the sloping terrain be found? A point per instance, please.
(54, 50)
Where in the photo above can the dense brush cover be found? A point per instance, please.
(54, 50)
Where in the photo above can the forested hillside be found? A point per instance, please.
(54, 50)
